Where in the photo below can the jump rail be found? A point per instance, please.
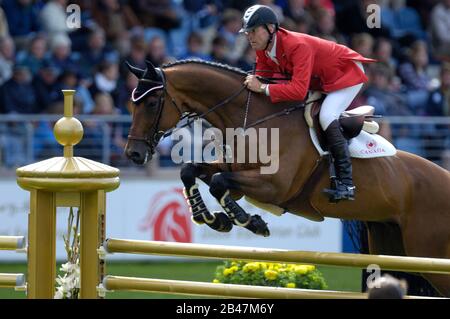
(12, 280)
(225, 290)
(407, 264)
(12, 242)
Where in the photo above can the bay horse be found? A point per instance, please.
(404, 199)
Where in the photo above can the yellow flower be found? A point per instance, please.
(290, 285)
(227, 271)
(216, 281)
(234, 269)
(250, 267)
(311, 267)
(301, 269)
(271, 274)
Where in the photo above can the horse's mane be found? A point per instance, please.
(221, 66)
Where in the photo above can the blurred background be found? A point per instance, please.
(40, 55)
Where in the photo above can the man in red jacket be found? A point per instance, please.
(333, 68)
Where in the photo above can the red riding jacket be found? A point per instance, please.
(313, 63)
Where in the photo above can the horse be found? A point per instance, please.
(403, 198)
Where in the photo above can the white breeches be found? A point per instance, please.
(337, 102)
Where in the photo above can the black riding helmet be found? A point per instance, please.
(259, 15)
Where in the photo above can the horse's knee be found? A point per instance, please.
(218, 185)
(188, 173)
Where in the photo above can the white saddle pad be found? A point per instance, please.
(364, 145)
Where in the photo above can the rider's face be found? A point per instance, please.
(258, 37)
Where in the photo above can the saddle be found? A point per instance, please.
(352, 121)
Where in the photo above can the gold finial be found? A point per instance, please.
(68, 130)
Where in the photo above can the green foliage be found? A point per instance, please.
(270, 274)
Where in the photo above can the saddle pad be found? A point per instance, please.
(364, 145)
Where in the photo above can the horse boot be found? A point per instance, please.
(200, 214)
(338, 147)
(239, 217)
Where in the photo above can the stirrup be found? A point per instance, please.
(341, 192)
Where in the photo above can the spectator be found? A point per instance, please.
(326, 27)
(34, 57)
(403, 22)
(438, 104)
(413, 74)
(236, 42)
(157, 14)
(69, 79)
(17, 94)
(439, 99)
(96, 52)
(247, 60)
(315, 6)
(46, 87)
(388, 287)
(380, 95)
(115, 17)
(295, 9)
(363, 44)
(383, 53)
(137, 56)
(4, 30)
(105, 80)
(440, 28)
(195, 48)
(125, 89)
(93, 141)
(61, 55)
(156, 52)
(219, 50)
(7, 59)
(53, 18)
(22, 16)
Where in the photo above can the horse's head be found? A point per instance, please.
(148, 124)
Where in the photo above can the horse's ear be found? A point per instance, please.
(151, 71)
(139, 73)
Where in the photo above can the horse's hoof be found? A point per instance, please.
(221, 223)
(258, 226)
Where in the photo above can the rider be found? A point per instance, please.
(336, 68)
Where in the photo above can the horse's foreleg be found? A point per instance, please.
(200, 214)
(220, 186)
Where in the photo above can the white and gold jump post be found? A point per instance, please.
(66, 181)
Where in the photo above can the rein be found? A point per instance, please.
(152, 139)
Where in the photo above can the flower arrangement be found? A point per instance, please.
(270, 274)
(69, 283)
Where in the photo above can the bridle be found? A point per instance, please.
(155, 135)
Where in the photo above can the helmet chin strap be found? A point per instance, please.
(270, 37)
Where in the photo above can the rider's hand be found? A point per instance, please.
(253, 84)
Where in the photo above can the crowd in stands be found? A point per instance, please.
(40, 53)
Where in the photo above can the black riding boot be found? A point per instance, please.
(338, 147)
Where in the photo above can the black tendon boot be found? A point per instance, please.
(338, 147)
(200, 214)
